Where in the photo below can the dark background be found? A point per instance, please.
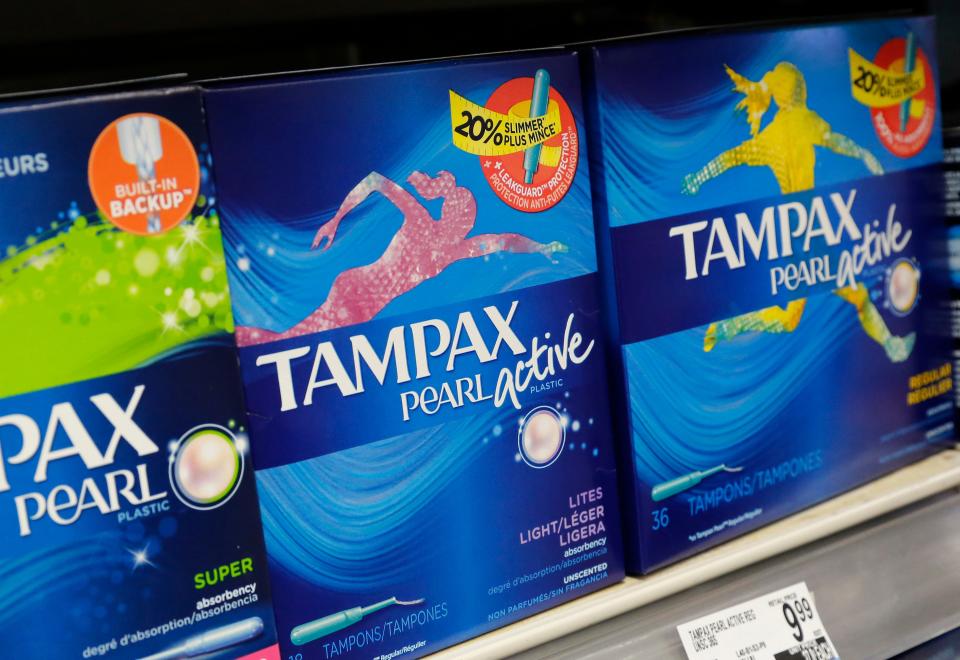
(56, 44)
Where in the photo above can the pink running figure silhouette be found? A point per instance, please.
(421, 249)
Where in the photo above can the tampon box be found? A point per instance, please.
(774, 263)
(420, 344)
(128, 505)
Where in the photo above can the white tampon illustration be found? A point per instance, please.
(213, 640)
(141, 146)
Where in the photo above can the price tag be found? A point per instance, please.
(783, 625)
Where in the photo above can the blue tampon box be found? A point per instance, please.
(128, 509)
(773, 258)
(421, 347)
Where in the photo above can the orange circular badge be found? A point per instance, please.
(143, 173)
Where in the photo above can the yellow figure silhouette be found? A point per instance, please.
(787, 146)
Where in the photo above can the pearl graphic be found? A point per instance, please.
(542, 437)
(206, 468)
(903, 286)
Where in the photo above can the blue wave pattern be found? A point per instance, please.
(330, 531)
(691, 409)
(32, 581)
(683, 130)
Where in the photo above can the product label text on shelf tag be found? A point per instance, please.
(782, 625)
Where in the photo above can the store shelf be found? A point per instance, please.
(903, 569)
(881, 588)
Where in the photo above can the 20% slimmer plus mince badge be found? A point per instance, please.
(526, 137)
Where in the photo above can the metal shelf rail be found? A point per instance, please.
(876, 586)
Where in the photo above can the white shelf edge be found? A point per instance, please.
(906, 486)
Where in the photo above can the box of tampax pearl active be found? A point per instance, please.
(412, 263)
(774, 262)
